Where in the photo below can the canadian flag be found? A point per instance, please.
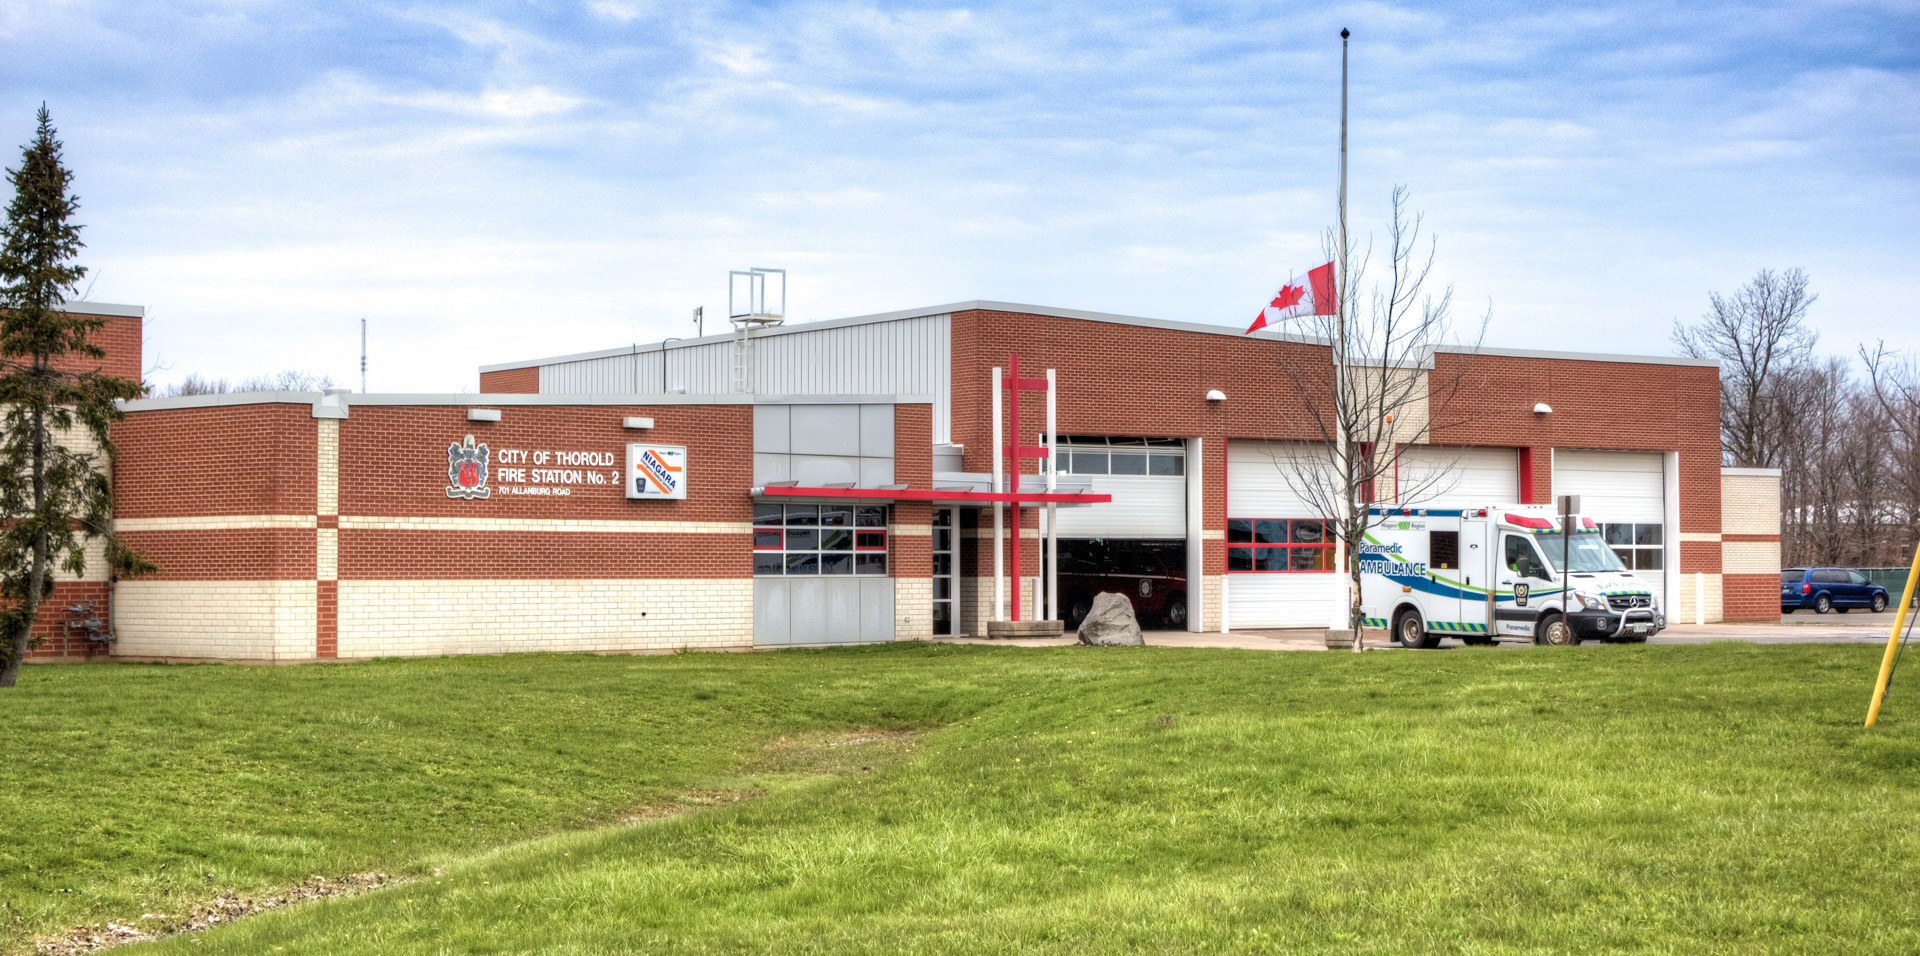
(1317, 293)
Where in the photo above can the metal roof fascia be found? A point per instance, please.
(1580, 356)
(972, 305)
(216, 401)
(104, 308)
(507, 399)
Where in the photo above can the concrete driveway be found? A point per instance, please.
(1858, 627)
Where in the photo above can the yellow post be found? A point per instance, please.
(1893, 642)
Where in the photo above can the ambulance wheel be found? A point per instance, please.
(1554, 631)
(1077, 614)
(1411, 631)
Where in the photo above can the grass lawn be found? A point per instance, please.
(1711, 798)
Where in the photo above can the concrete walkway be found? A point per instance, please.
(1857, 628)
(1280, 640)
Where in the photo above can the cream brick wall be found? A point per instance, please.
(597, 525)
(974, 605)
(1750, 504)
(326, 554)
(217, 523)
(1749, 557)
(327, 469)
(976, 602)
(426, 618)
(1208, 607)
(1680, 604)
(912, 609)
(230, 620)
(95, 552)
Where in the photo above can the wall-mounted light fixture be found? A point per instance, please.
(483, 414)
(1542, 408)
(1216, 395)
(631, 422)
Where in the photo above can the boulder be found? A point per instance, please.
(1110, 623)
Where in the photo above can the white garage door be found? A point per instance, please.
(1259, 487)
(1626, 491)
(1459, 476)
(1147, 478)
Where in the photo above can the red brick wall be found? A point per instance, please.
(393, 463)
(1750, 597)
(1133, 380)
(511, 381)
(252, 460)
(1628, 406)
(912, 554)
(223, 460)
(119, 336)
(326, 620)
(57, 640)
(239, 554)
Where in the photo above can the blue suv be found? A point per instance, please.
(1829, 589)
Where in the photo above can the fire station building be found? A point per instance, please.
(831, 482)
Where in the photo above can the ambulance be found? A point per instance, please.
(1498, 573)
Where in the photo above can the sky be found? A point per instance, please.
(488, 182)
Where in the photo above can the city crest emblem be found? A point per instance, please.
(467, 470)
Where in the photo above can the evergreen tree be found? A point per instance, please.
(53, 498)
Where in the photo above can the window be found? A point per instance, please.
(1102, 455)
(1855, 577)
(1443, 550)
(1638, 546)
(1272, 545)
(1521, 558)
(944, 593)
(1830, 576)
(819, 539)
(1792, 575)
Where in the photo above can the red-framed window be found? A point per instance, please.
(1279, 545)
(819, 539)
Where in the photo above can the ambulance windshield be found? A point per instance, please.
(1588, 554)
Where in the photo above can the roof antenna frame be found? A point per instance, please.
(755, 311)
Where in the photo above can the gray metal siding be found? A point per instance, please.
(911, 356)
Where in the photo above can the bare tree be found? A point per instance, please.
(1384, 396)
(1893, 383)
(290, 380)
(1764, 345)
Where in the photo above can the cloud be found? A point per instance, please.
(498, 179)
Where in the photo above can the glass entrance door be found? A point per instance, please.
(946, 587)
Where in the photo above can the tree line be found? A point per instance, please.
(1843, 430)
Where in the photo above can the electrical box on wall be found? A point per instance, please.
(656, 471)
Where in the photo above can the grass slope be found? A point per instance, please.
(1611, 798)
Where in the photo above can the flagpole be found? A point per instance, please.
(1340, 356)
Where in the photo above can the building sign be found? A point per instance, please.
(544, 473)
(656, 471)
(467, 470)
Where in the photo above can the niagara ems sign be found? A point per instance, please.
(656, 471)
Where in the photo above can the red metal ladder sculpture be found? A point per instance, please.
(1007, 454)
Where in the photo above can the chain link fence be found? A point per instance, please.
(1893, 579)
